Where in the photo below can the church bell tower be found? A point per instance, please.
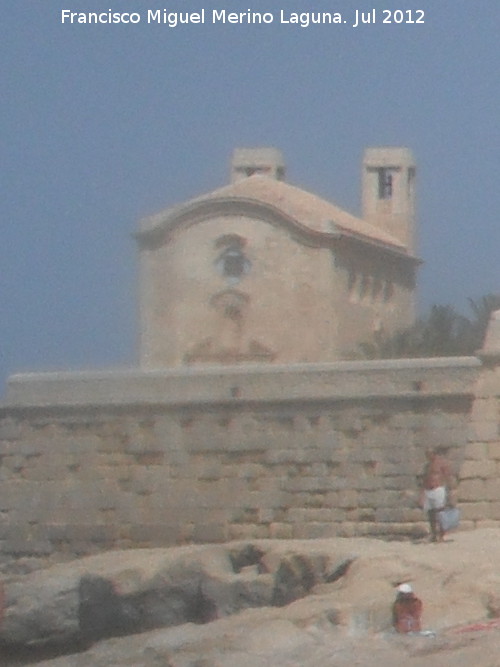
(388, 192)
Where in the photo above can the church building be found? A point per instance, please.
(263, 271)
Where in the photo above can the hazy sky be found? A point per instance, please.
(103, 124)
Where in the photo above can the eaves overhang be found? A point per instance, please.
(157, 230)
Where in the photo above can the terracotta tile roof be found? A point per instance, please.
(309, 210)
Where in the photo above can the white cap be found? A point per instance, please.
(405, 588)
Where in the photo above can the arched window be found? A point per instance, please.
(385, 183)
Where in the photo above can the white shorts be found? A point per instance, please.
(435, 499)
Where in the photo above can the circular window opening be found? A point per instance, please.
(233, 264)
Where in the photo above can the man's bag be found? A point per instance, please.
(449, 518)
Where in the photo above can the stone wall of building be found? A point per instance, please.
(91, 461)
(480, 473)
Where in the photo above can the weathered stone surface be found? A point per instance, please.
(334, 600)
(43, 611)
(494, 450)
(477, 451)
(475, 511)
(484, 431)
(478, 469)
(494, 510)
(472, 490)
(131, 591)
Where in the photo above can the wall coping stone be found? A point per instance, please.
(490, 352)
(261, 383)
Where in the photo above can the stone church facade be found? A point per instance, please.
(263, 271)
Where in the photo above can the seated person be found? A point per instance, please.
(407, 610)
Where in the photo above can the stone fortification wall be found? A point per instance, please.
(102, 460)
(480, 473)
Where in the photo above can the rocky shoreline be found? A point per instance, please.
(282, 603)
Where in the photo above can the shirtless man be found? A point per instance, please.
(437, 480)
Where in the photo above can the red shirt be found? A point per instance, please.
(406, 613)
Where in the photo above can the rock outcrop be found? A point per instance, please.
(253, 603)
(125, 592)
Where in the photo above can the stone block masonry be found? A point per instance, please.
(479, 489)
(96, 461)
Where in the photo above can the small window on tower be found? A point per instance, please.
(384, 183)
